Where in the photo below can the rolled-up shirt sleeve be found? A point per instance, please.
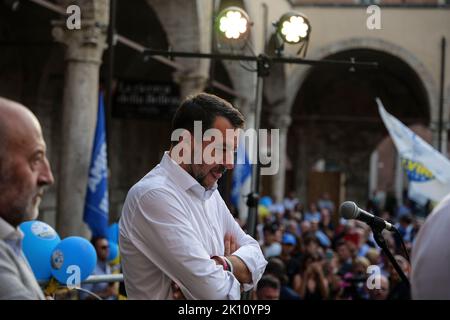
(164, 234)
(249, 250)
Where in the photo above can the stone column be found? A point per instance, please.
(282, 123)
(84, 49)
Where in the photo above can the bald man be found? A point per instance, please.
(24, 172)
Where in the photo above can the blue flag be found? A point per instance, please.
(96, 206)
(242, 171)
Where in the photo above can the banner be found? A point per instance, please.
(240, 186)
(96, 207)
(428, 170)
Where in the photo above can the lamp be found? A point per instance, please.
(292, 28)
(233, 26)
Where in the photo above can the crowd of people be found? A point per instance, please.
(314, 254)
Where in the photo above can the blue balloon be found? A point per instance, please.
(266, 201)
(38, 243)
(73, 260)
(113, 251)
(113, 233)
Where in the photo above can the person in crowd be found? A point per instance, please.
(289, 256)
(326, 225)
(268, 288)
(320, 235)
(305, 228)
(104, 290)
(399, 290)
(178, 239)
(276, 268)
(405, 209)
(290, 201)
(382, 292)
(326, 202)
(24, 174)
(345, 257)
(272, 245)
(311, 283)
(312, 245)
(374, 256)
(313, 213)
(293, 227)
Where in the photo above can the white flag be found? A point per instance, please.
(427, 169)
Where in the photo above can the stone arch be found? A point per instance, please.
(299, 75)
(190, 33)
(331, 129)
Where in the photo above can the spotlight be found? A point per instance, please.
(233, 25)
(293, 28)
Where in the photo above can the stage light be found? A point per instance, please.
(233, 23)
(293, 28)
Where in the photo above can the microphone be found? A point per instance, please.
(349, 210)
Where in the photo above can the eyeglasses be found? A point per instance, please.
(104, 247)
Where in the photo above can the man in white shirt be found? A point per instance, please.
(430, 256)
(175, 227)
(24, 173)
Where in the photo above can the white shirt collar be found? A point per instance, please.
(8, 232)
(182, 178)
(12, 236)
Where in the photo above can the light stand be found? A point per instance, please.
(263, 70)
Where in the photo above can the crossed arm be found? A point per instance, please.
(240, 269)
(168, 229)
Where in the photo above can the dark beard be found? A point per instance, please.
(18, 210)
(201, 177)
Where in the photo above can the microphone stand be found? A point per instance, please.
(379, 239)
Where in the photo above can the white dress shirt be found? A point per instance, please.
(169, 229)
(430, 256)
(17, 280)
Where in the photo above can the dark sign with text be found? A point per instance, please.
(137, 99)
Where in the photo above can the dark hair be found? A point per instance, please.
(310, 237)
(307, 259)
(277, 268)
(406, 219)
(94, 240)
(205, 107)
(268, 281)
(271, 228)
(340, 243)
